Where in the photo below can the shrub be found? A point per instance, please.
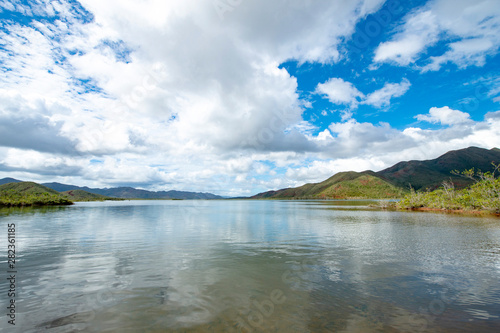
(483, 195)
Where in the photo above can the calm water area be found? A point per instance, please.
(249, 266)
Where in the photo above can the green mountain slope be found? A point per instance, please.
(30, 194)
(363, 187)
(343, 185)
(81, 195)
(432, 173)
(28, 188)
(394, 182)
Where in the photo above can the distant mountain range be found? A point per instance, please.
(81, 195)
(393, 182)
(122, 192)
(9, 180)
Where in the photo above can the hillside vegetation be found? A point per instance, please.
(483, 195)
(81, 195)
(430, 174)
(343, 185)
(395, 181)
(30, 194)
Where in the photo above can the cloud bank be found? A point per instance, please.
(191, 95)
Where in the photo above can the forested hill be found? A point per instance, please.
(396, 180)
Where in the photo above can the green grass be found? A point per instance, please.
(484, 195)
(30, 194)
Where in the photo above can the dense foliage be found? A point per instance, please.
(11, 198)
(30, 194)
(483, 195)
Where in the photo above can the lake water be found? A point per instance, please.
(250, 266)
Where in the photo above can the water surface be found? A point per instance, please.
(273, 266)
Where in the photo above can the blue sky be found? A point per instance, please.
(239, 97)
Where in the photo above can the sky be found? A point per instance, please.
(237, 97)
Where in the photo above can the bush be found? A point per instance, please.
(12, 198)
(483, 195)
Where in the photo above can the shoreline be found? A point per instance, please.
(452, 211)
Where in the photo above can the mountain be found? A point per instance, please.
(343, 185)
(27, 188)
(81, 195)
(431, 173)
(123, 192)
(29, 194)
(393, 182)
(9, 180)
(132, 193)
(63, 187)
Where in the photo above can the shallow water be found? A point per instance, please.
(273, 266)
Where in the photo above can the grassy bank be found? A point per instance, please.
(484, 196)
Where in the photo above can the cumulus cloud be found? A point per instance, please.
(470, 30)
(119, 80)
(176, 94)
(445, 116)
(419, 31)
(382, 97)
(39, 163)
(341, 92)
(360, 146)
(470, 52)
(23, 129)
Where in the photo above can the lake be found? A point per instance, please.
(250, 266)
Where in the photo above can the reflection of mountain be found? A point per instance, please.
(393, 181)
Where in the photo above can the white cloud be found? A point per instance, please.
(445, 116)
(353, 139)
(382, 97)
(470, 30)
(360, 146)
(195, 100)
(419, 31)
(188, 104)
(339, 91)
(470, 52)
(320, 170)
(325, 136)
